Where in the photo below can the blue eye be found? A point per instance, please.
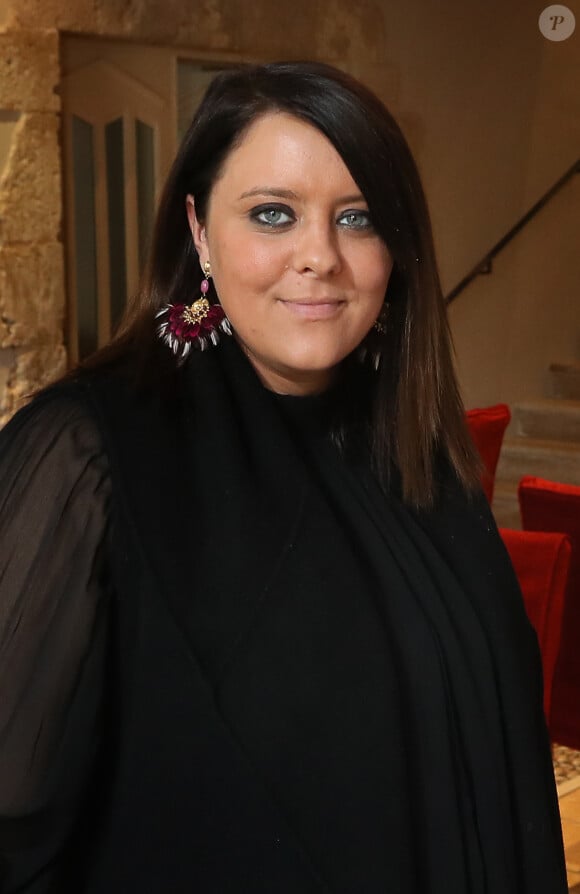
(272, 215)
(355, 219)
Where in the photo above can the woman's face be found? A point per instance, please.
(296, 264)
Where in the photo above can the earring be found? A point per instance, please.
(196, 325)
(380, 324)
(371, 347)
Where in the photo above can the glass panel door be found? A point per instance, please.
(85, 266)
(112, 123)
(115, 154)
(125, 107)
(145, 149)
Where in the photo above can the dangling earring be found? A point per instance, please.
(195, 325)
(380, 324)
(371, 347)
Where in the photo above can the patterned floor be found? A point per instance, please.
(566, 763)
(567, 772)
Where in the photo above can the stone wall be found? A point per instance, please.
(32, 280)
(31, 257)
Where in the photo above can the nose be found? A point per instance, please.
(317, 250)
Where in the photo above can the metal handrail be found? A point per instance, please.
(485, 266)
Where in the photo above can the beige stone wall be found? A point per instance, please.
(31, 265)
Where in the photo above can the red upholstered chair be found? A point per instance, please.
(549, 506)
(542, 563)
(487, 427)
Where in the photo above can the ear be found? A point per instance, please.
(198, 231)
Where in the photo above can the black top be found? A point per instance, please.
(363, 685)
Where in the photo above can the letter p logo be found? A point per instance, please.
(557, 22)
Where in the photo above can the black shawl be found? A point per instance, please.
(315, 688)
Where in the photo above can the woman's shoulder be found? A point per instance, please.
(53, 416)
(54, 439)
(68, 408)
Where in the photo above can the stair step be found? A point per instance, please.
(557, 420)
(565, 378)
(505, 505)
(555, 460)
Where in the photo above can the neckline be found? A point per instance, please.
(314, 412)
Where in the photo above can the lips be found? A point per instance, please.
(314, 309)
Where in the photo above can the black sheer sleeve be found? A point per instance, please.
(54, 595)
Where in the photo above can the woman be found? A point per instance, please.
(259, 633)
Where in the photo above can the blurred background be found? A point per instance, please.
(94, 96)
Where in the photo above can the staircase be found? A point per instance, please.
(543, 439)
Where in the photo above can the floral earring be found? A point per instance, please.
(197, 325)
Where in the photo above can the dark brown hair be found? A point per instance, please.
(418, 418)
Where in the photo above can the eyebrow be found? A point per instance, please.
(280, 193)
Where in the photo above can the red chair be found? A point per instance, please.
(549, 506)
(542, 564)
(487, 427)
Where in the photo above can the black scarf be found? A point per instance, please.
(374, 664)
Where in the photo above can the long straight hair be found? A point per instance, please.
(417, 418)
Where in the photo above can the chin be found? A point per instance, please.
(314, 358)
(313, 365)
